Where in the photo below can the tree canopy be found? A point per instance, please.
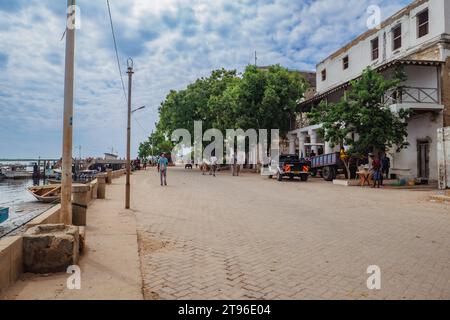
(258, 99)
(362, 120)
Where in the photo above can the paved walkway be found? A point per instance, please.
(251, 238)
(110, 266)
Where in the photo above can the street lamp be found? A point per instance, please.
(137, 109)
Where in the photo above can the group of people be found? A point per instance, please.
(163, 164)
(213, 166)
(379, 167)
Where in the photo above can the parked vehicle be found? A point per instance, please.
(329, 166)
(288, 166)
(4, 214)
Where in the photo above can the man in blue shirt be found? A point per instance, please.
(163, 163)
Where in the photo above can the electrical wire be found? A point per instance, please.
(117, 52)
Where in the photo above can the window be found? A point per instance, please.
(345, 63)
(324, 74)
(397, 37)
(422, 24)
(375, 48)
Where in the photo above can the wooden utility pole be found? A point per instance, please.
(128, 185)
(66, 182)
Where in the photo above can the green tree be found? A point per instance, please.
(156, 144)
(362, 120)
(257, 99)
(268, 98)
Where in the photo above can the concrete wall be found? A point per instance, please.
(443, 154)
(420, 127)
(360, 53)
(11, 261)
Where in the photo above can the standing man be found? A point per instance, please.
(236, 166)
(213, 162)
(163, 163)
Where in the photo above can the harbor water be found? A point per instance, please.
(23, 207)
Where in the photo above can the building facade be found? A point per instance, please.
(417, 38)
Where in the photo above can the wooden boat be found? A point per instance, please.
(46, 194)
(4, 214)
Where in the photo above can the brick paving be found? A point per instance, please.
(251, 238)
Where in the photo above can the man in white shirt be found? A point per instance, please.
(213, 163)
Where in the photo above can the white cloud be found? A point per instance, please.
(173, 42)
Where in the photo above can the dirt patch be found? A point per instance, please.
(149, 245)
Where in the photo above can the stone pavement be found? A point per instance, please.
(251, 238)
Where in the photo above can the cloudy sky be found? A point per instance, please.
(172, 42)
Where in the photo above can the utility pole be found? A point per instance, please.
(256, 60)
(66, 183)
(128, 185)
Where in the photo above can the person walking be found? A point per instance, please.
(163, 163)
(236, 166)
(213, 165)
(376, 173)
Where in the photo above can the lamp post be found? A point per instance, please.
(137, 109)
(128, 184)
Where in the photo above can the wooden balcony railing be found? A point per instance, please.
(412, 95)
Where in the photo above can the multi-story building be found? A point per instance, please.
(418, 38)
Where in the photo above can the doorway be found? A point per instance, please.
(423, 159)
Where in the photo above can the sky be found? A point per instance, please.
(172, 43)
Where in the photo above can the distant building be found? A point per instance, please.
(417, 38)
(111, 156)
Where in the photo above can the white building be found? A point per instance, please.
(417, 37)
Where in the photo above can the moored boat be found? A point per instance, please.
(16, 172)
(47, 194)
(4, 214)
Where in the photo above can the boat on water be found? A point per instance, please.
(46, 194)
(16, 172)
(4, 214)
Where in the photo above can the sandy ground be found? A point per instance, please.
(251, 238)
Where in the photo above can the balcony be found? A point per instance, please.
(414, 98)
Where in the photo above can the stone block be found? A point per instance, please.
(81, 199)
(109, 176)
(50, 248)
(101, 188)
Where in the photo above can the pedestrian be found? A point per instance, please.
(385, 165)
(236, 166)
(213, 165)
(163, 163)
(376, 173)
